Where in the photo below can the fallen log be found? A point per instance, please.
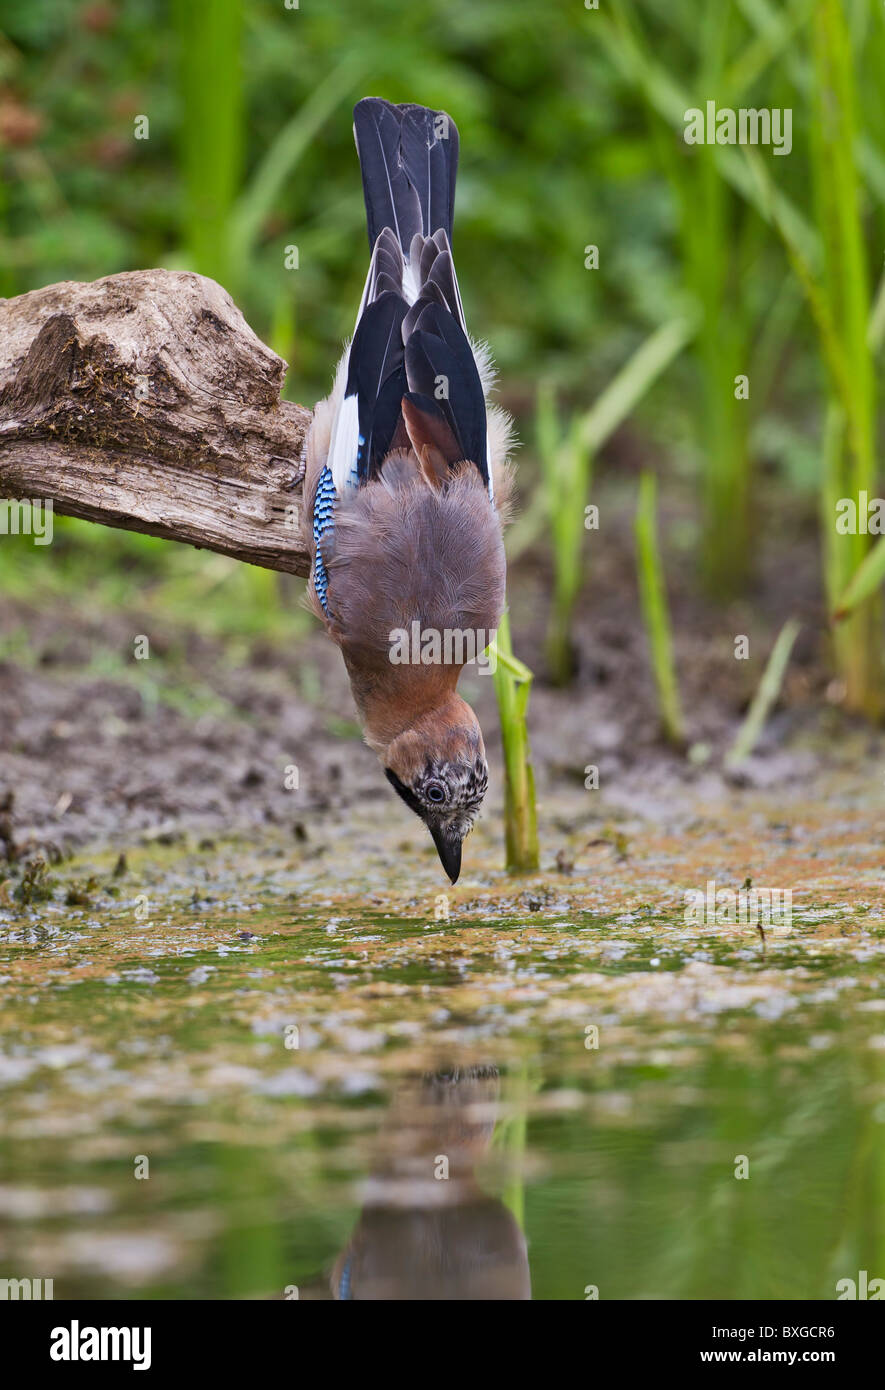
(145, 401)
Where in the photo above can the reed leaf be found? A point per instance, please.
(655, 611)
(765, 697)
(513, 683)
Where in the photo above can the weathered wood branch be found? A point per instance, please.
(145, 401)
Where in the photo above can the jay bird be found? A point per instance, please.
(419, 1237)
(406, 478)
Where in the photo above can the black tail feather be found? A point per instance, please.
(409, 161)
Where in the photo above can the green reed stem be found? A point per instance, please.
(513, 683)
(655, 611)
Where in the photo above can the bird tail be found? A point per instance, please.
(409, 159)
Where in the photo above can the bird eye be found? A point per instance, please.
(435, 792)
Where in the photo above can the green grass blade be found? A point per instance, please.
(765, 697)
(671, 101)
(876, 326)
(258, 198)
(866, 580)
(624, 392)
(655, 610)
(512, 687)
(596, 425)
(852, 469)
(211, 133)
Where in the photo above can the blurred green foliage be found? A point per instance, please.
(556, 154)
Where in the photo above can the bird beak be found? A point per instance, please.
(448, 847)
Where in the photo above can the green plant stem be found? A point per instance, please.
(567, 468)
(850, 453)
(513, 683)
(765, 697)
(211, 131)
(653, 595)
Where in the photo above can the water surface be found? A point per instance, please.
(329, 1091)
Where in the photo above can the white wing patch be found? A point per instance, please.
(345, 444)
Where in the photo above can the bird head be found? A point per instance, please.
(438, 766)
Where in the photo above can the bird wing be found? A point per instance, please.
(440, 368)
(364, 356)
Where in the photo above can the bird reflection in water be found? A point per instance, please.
(427, 1228)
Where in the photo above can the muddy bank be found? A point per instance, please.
(99, 747)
